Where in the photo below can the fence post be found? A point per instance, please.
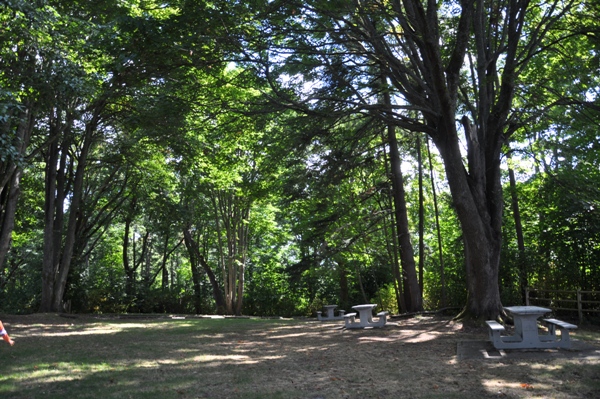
(526, 296)
(579, 306)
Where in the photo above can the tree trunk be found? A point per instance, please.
(129, 269)
(478, 201)
(523, 275)
(343, 281)
(196, 256)
(49, 265)
(421, 215)
(413, 298)
(53, 209)
(196, 283)
(74, 214)
(412, 293)
(10, 182)
(9, 208)
(438, 230)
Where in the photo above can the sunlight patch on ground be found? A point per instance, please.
(422, 337)
(289, 336)
(217, 360)
(58, 372)
(499, 386)
(65, 330)
(543, 366)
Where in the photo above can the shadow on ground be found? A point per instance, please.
(483, 349)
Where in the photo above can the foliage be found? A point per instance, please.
(259, 128)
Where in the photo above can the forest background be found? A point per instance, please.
(266, 158)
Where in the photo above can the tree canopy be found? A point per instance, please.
(270, 157)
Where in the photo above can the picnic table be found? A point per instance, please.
(330, 313)
(365, 317)
(526, 335)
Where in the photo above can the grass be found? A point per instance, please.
(55, 357)
(121, 359)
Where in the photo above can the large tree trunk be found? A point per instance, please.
(59, 242)
(49, 265)
(478, 202)
(55, 187)
(74, 214)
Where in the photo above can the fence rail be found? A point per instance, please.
(560, 299)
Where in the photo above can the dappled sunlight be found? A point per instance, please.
(66, 330)
(290, 336)
(408, 338)
(218, 360)
(60, 372)
(210, 336)
(496, 386)
(543, 366)
(191, 359)
(88, 331)
(310, 349)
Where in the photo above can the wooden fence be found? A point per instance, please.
(581, 302)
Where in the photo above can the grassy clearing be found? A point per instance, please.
(121, 359)
(253, 358)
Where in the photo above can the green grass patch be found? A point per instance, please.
(121, 359)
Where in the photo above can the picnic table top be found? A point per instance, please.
(525, 310)
(365, 306)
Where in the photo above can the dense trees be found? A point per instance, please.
(265, 158)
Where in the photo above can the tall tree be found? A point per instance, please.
(446, 61)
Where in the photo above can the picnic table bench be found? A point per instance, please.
(564, 328)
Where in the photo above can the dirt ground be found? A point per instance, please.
(418, 357)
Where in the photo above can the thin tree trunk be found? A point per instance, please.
(438, 230)
(392, 241)
(412, 293)
(8, 216)
(195, 255)
(129, 270)
(343, 281)
(523, 275)
(421, 215)
(10, 185)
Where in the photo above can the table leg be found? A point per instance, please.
(366, 318)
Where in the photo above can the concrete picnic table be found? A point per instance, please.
(330, 315)
(526, 334)
(365, 313)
